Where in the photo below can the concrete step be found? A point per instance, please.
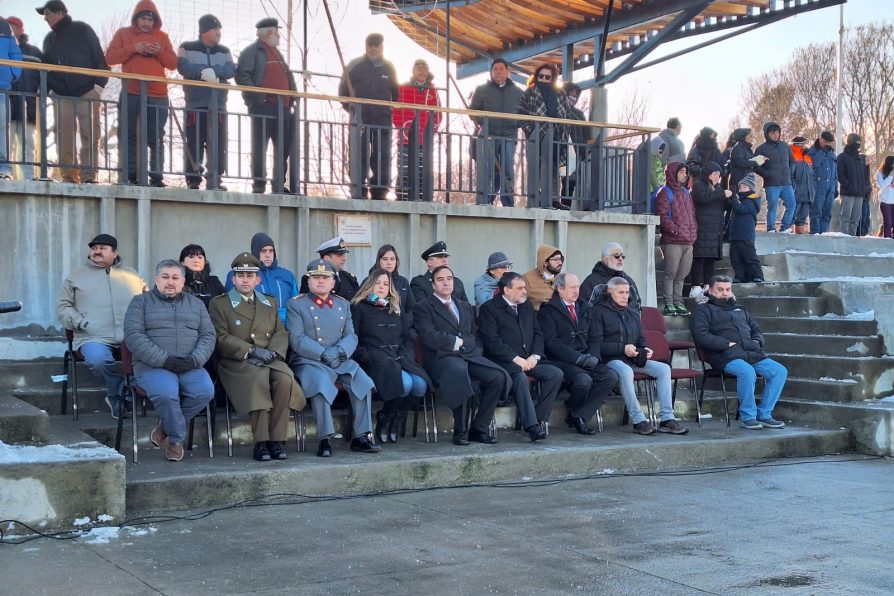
(786, 306)
(21, 422)
(810, 266)
(156, 485)
(871, 423)
(825, 245)
(826, 325)
(846, 345)
(875, 375)
(778, 288)
(91, 400)
(827, 390)
(30, 373)
(58, 486)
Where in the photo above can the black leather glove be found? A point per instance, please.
(183, 364)
(170, 363)
(254, 361)
(587, 361)
(330, 357)
(264, 355)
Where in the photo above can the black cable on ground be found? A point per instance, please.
(282, 499)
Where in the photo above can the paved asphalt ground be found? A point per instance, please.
(806, 526)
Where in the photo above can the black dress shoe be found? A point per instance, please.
(579, 424)
(261, 453)
(480, 437)
(396, 426)
(276, 450)
(325, 449)
(383, 423)
(460, 438)
(364, 445)
(536, 432)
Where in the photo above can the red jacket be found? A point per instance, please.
(402, 118)
(121, 51)
(678, 225)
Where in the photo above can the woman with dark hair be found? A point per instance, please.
(199, 280)
(545, 97)
(710, 200)
(386, 352)
(885, 180)
(704, 149)
(387, 259)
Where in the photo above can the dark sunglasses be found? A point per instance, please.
(620, 255)
(546, 77)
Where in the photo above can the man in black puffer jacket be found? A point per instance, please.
(853, 176)
(611, 265)
(777, 174)
(732, 342)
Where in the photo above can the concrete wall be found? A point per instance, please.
(46, 227)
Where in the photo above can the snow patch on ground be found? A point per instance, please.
(82, 521)
(832, 380)
(100, 535)
(889, 399)
(868, 315)
(26, 454)
(859, 348)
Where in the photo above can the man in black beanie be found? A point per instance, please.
(825, 174)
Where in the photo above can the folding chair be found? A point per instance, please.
(709, 373)
(652, 319)
(662, 353)
(70, 374)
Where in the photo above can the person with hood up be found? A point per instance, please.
(273, 280)
(742, 160)
(746, 204)
(679, 231)
(825, 177)
(418, 90)
(704, 149)
(611, 265)
(777, 175)
(675, 150)
(884, 178)
(803, 182)
(143, 48)
(9, 50)
(853, 179)
(497, 137)
(710, 201)
(550, 261)
(23, 108)
(486, 285)
(545, 97)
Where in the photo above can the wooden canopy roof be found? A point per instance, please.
(530, 32)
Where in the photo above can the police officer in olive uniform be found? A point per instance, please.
(322, 338)
(251, 345)
(335, 251)
(435, 256)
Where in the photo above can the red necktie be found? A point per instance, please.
(571, 310)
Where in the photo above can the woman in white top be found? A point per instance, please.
(885, 180)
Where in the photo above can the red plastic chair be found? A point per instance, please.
(652, 319)
(661, 352)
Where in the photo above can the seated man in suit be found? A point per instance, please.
(512, 338)
(251, 349)
(321, 334)
(564, 323)
(446, 328)
(435, 256)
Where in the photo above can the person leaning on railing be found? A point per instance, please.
(419, 90)
(23, 108)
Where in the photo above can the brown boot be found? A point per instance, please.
(174, 451)
(801, 229)
(158, 437)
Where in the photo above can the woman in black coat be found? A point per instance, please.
(704, 149)
(386, 352)
(387, 259)
(710, 202)
(199, 280)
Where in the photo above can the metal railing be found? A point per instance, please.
(146, 140)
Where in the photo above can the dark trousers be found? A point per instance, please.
(198, 142)
(491, 382)
(265, 126)
(589, 388)
(702, 270)
(412, 166)
(156, 118)
(802, 213)
(550, 379)
(746, 264)
(374, 154)
(887, 219)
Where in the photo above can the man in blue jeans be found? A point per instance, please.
(825, 175)
(732, 342)
(777, 174)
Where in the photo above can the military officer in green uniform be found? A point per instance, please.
(252, 344)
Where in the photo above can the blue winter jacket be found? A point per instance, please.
(9, 50)
(746, 206)
(276, 281)
(195, 57)
(825, 167)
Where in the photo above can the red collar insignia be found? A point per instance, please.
(320, 302)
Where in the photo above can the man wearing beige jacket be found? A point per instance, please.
(539, 280)
(91, 303)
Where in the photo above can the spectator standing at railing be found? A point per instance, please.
(544, 97)
(23, 108)
(262, 65)
(419, 90)
(371, 77)
(75, 97)
(9, 50)
(205, 60)
(675, 150)
(496, 141)
(143, 48)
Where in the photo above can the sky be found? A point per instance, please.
(701, 88)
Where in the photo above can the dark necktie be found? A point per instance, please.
(453, 310)
(514, 310)
(573, 315)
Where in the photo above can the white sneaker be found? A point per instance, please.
(696, 291)
(787, 231)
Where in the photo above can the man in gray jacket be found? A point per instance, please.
(675, 151)
(91, 303)
(171, 337)
(205, 60)
(495, 151)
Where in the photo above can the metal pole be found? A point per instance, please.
(839, 107)
(305, 126)
(449, 161)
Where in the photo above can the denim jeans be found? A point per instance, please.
(662, 374)
(821, 209)
(101, 363)
(413, 384)
(788, 200)
(499, 153)
(746, 377)
(177, 397)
